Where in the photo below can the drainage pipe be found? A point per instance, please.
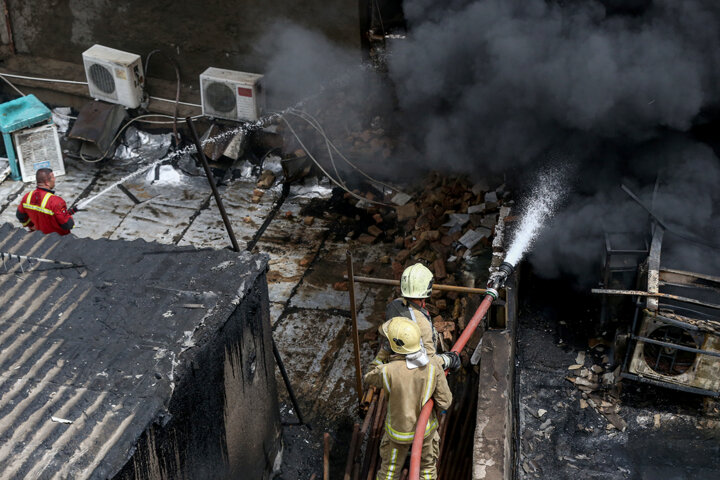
(497, 280)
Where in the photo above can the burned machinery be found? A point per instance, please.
(673, 339)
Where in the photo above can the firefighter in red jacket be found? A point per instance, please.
(42, 210)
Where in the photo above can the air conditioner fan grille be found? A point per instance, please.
(667, 360)
(220, 97)
(102, 78)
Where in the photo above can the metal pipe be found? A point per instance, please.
(286, 379)
(372, 439)
(209, 176)
(351, 452)
(447, 288)
(356, 339)
(640, 293)
(326, 456)
(371, 412)
(675, 346)
(270, 217)
(497, 280)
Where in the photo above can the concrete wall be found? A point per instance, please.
(198, 34)
(224, 419)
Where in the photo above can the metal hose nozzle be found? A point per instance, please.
(498, 278)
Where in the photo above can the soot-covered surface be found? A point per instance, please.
(669, 435)
(93, 356)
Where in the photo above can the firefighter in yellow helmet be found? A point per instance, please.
(415, 286)
(410, 378)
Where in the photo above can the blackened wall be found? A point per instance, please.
(224, 419)
(199, 34)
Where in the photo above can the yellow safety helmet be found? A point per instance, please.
(403, 335)
(416, 281)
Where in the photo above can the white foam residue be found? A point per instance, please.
(166, 175)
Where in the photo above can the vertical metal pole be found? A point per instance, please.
(288, 385)
(353, 315)
(209, 176)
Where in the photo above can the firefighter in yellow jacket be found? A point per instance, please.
(416, 285)
(410, 378)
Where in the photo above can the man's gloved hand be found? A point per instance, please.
(451, 360)
(73, 210)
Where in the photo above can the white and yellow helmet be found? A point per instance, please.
(416, 281)
(403, 335)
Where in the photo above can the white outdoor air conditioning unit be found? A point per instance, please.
(231, 95)
(114, 76)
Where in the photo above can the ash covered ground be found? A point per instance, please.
(668, 434)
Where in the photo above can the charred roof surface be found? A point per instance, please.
(90, 354)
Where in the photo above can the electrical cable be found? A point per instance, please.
(300, 113)
(41, 79)
(159, 122)
(75, 82)
(181, 103)
(319, 128)
(326, 173)
(177, 87)
(13, 86)
(112, 142)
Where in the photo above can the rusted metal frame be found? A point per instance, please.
(634, 328)
(677, 323)
(683, 313)
(355, 333)
(8, 26)
(655, 296)
(674, 386)
(447, 288)
(208, 174)
(688, 279)
(654, 267)
(675, 346)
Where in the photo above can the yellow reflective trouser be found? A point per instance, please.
(393, 457)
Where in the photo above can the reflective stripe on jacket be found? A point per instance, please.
(45, 211)
(407, 391)
(42, 207)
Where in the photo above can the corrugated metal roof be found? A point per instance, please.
(98, 345)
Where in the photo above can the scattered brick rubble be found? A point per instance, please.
(447, 222)
(600, 387)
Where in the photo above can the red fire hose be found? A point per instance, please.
(427, 408)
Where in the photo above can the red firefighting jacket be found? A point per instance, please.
(42, 210)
